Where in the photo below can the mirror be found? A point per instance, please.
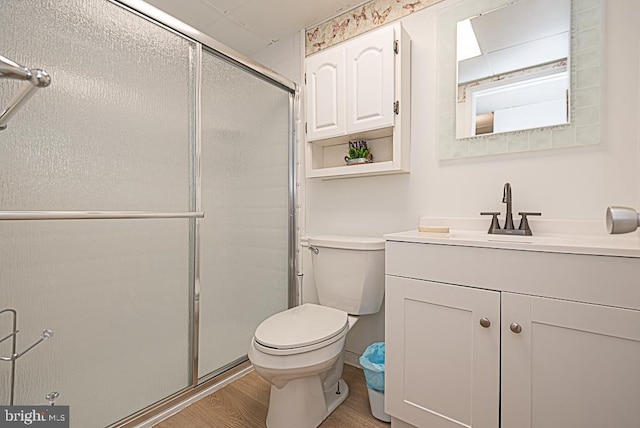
(583, 66)
(512, 68)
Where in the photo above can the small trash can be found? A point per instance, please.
(372, 362)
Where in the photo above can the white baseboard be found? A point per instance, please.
(397, 423)
(352, 359)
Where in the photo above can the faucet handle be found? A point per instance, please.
(495, 224)
(524, 223)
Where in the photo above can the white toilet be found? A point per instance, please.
(300, 351)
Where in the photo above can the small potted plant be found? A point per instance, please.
(358, 153)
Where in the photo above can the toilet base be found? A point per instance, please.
(333, 399)
(303, 404)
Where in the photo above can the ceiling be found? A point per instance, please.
(249, 26)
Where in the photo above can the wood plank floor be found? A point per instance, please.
(243, 404)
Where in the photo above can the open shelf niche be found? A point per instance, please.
(325, 158)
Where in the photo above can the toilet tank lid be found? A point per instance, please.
(347, 242)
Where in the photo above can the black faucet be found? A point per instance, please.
(509, 228)
(506, 199)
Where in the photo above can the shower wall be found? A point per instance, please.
(117, 130)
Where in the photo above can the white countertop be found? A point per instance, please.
(603, 245)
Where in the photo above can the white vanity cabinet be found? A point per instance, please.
(441, 371)
(572, 364)
(359, 90)
(495, 337)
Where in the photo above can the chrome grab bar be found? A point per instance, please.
(34, 79)
(94, 215)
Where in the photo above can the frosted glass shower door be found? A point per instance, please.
(244, 263)
(111, 133)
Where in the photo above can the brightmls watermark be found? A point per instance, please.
(34, 416)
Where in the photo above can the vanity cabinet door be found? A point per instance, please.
(370, 81)
(325, 92)
(569, 364)
(442, 365)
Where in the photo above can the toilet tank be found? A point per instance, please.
(349, 272)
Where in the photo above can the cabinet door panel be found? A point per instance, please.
(442, 367)
(325, 94)
(573, 365)
(370, 81)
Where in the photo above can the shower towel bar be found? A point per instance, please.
(34, 79)
(46, 334)
(9, 336)
(94, 215)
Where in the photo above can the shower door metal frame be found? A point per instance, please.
(292, 206)
(196, 205)
(173, 24)
(203, 41)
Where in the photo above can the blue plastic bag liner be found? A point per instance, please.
(372, 362)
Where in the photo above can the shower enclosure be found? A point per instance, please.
(146, 127)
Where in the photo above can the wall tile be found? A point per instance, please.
(587, 135)
(518, 142)
(590, 57)
(587, 116)
(540, 139)
(445, 151)
(478, 148)
(498, 145)
(588, 96)
(460, 149)
(563, 137)
(588, 19)
(588, 77)
(582, 5)
(588, 38)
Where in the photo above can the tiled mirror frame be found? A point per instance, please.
(586, 81)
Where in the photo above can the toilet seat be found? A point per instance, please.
(301, 329)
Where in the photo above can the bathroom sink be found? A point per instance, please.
(485, 237)
(595, 241)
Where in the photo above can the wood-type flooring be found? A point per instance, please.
(243, 404)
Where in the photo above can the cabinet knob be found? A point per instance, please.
(515, 327)
(485, 322)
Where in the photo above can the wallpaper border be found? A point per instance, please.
(360, 20)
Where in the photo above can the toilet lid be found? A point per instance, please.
(301, 326)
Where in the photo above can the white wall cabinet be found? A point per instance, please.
(359, 90)
(483, 356)
(325, 77)
(370, 81)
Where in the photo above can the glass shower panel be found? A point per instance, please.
(115, 293)
(244, 235)
(111, 132)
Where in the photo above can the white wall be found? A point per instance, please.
(572, 183)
